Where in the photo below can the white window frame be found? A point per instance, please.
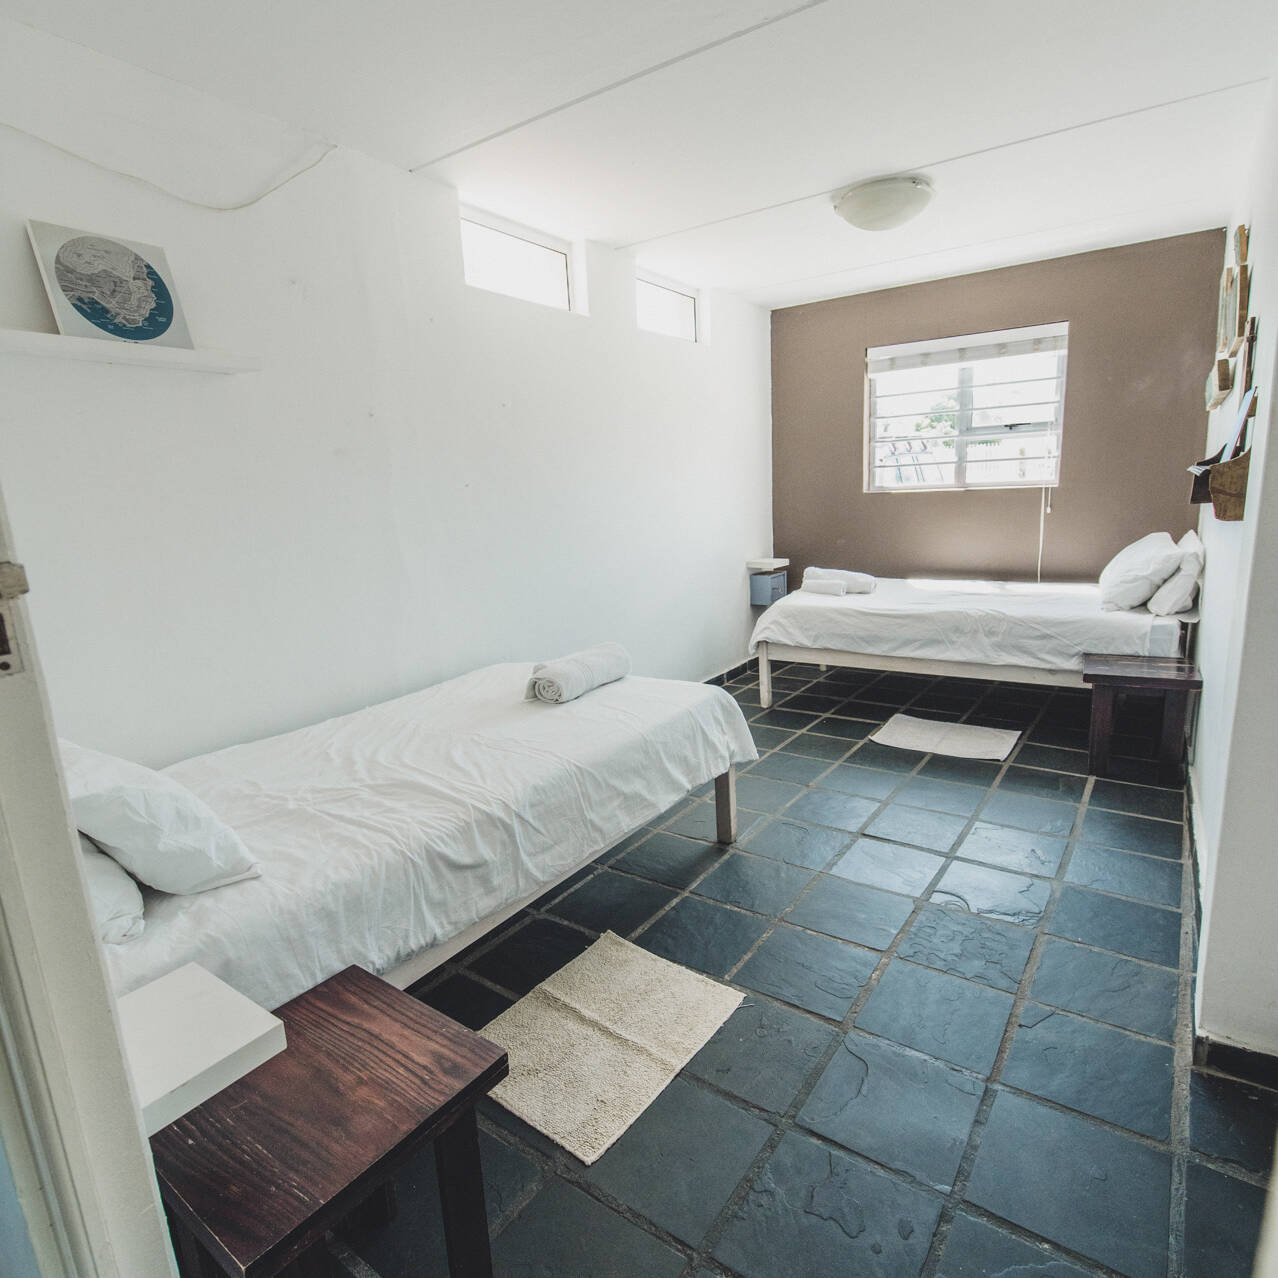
(958, 350)
(684, 290)
(574, 269)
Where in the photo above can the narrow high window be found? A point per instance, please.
(663, 307)
(504, 258)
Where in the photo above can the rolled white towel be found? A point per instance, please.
(818, 586)
(854, 583)
(567, 678)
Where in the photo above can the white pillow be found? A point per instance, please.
(114, 898)
(1177, 593)
(154, 827)
(1137, 571)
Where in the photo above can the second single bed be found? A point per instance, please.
(1026, 632)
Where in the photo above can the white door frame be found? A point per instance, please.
(68, 1116)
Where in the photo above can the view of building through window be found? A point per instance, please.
(980, 411)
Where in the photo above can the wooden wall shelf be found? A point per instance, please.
(15, 341)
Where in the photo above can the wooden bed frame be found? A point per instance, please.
(769, 652)
(414, 969)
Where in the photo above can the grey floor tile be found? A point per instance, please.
(798, 843)
(529, 954)
(888, 865)
(565, 1232)
(979, 772)
(968, 945)
(1028, 812)
(1087, 1187)
(977, 1249)
(609, 901)
(1064, 786)
(831, 749)
(687, 1137)
(852, 912)
(1031, 755)
(1107, 988)
(1232, 1121)
(765, 794)
(889, 758)
(763, 1053)
(770, 738)
(1014, 898)
(703, 935)
(871, 783)
(699, 821)
(942, 1015)
(824, 807)
(1096, 1069)
(813, 972)
(935, 831)
(787, 767)
(1146, 878)
(909, 1112)
(818, 1213)
(467, 1001)
(1112, 923)
(756, 883)
(1133, 833)
(1022, 850)
(1222, 1224)
(942, 796)
(670, 859)
(847, 726)
(1141, 800)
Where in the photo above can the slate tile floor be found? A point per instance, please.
(964, 1047)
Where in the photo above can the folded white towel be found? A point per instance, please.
(855, 583)
(567, 678)
(817, 586)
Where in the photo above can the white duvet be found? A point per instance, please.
(390, 830)
(1002, 623)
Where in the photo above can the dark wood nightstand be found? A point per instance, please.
(254, 1177)
(1172, 678)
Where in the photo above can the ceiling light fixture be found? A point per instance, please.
(882, 203)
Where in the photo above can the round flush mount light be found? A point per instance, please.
(883, 203)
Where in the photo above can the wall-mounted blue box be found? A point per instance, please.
(767, 587)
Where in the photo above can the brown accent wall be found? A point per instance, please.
(1142, 326)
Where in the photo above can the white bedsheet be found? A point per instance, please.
(1002, 623)
(392, 829)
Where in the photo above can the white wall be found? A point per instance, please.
(1234, 790)
(425, 477)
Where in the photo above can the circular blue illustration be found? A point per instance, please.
(114, 288)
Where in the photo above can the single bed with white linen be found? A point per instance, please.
(394, 836)
(1025, 632)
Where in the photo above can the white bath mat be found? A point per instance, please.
(596, 1043)
(962, 740)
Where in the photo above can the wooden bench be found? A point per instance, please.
(254, 1177)
(1171, 678)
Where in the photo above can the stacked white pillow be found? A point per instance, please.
(159, 831)
(1177, 593)
(114, 898)
(1136, 572)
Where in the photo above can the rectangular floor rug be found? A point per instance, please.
(595, 1044)
(961, 740)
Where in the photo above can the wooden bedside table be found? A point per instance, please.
(1174, 678)
(254, 1177)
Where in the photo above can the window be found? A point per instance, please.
(665, 308)
(504, 258)
(982, 411)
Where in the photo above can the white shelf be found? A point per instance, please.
(186, 1036)
(767, 565)
(15, 341)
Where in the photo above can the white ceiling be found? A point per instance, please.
(709, 135)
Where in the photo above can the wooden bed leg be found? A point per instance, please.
(765, 677)
(725, 806)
